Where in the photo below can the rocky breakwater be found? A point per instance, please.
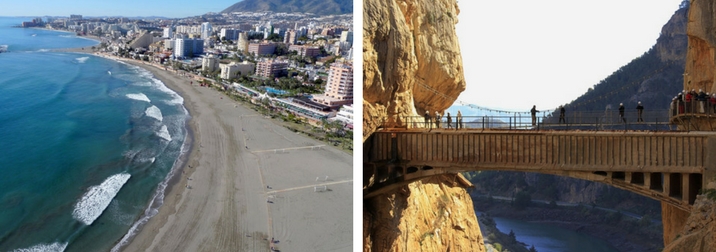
(412, 64)
(411, 60)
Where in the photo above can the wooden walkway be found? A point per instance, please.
(668, 166)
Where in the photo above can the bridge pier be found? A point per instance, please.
(673, 220)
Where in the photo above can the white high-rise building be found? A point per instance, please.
(243, 42)
(187, 48)
(339, 88)
(169, 43)
(347, 36)
(229, 34)
(205, 30)
(210, 63)
(168, 32)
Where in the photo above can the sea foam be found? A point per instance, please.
(55, 247)
(96, 200)
(154, 112)
(164, 133)
(139, 97)
(82, 59)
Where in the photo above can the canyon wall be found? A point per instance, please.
(698, 231)
(411, 60)
(700, 56)
(412, 64)
(432, 214)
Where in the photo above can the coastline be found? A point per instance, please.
(251, 210)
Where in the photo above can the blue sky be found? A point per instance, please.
(127, 8)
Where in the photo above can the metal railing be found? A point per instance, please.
(609, 119)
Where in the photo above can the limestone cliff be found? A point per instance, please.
(701, 53)
(411, 60)
(433, 214)
(699, 231)
(699, 234)
(412, 64)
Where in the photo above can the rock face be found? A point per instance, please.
(699, 234)
(412, 64)
(411, 60)
(701, 53)
(433, 214)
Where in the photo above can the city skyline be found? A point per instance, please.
(113, 8)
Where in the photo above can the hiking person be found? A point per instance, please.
(640, 111)
(428, 121)
(534, 111)
(449, 120)
(459, 119)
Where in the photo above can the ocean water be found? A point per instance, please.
(86, 143)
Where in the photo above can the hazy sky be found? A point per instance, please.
(521, 53)
(127, 8)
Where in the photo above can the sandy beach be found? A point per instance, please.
(246, 181)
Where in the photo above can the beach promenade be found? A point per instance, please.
(247, 180)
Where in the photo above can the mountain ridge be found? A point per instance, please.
(318, 7)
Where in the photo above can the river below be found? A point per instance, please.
(549, 238)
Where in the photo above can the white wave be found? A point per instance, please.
(157, 199)
(175, 100)
(164, 133)
(154, 112)
(43, 50)
(96, 200)
(55, 247)
(139, 97)
(82, 60)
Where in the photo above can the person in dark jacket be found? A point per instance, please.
(428, 122)
(534, 115)
(449, 120)
(561, 114)
(640, 111)
(621, 112)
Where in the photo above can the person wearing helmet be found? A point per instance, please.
(437, 120)
(640, 111)
(621, 112)
(687, 99)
